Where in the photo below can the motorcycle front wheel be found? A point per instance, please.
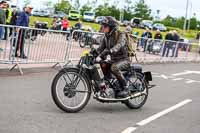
(70, 90)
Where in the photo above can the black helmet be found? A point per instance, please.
(110, 21)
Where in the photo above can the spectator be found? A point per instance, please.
(147, 35)
(22, 20)
(13, 20)
(58, 24)
(198, 36)
(3, 5)
(158, 35)
(54, 23)
(78, 25)
(65, 24)
(175, 48)
(8, 12)
(168, 44)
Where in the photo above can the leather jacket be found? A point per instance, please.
(118, 45)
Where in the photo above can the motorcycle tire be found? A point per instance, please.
(129, 102)
(55, 96)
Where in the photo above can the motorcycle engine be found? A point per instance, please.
(110, 93)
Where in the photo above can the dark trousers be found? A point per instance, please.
(175, 50)
(5, 33)
(117, 69)
(166, 48)
(20, 42)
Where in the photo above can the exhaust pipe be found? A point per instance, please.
(102, 99)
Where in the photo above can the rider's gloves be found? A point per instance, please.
(105, 53)
(98, 59)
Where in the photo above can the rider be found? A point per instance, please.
(117, 49)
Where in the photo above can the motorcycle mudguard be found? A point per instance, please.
(136, 67)
(85, 72)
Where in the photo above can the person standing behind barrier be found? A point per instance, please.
(8, 18)
(59, 24)
(168, 44)
(65, 24)
(147, 36)
(78, 25)
(53, 24)
(13, 20)
(2, 17)
(158, 36)
(176, 39)
(22, 20)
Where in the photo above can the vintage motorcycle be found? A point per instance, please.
(72, 87)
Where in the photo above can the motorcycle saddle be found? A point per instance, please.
(136, 67)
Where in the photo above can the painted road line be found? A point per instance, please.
(163, 76)
(178, 79)
(156, 116)
(186, 72)
(182, 73)
(130, 130)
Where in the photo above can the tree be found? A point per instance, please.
(85, 8)
(27, 2)
(64, 6)
(77, 5)
(48, 3)
(193, 23)
(128, 10)
(142, 10)
(105, 10)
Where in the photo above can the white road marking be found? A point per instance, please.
(182, 73)
(156, 76)
(129, 130)
(189, 81)
(177, 79)
(186, 72)
(163, 76)
(156, 116)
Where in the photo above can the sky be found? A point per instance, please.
(175, 8)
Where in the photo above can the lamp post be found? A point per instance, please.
(186, 14)
(190, 17)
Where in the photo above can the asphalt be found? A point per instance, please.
(26, 105)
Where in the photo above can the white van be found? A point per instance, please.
(89, 16)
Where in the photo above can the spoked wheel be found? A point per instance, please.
(140, 84)
(82, 41)
(70, 90)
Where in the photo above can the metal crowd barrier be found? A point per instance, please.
(50, 46)
(81, 41)
(40, 46)
(153, 50)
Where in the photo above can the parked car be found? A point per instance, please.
(74, 15)
(159, 26)
(99, 19)
(135, 22)
(146, 24)
(59, 14)
(126, 23)
(35, 13)
(44, 13)
(89, 16)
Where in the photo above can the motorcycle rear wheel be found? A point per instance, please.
(138, 102)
